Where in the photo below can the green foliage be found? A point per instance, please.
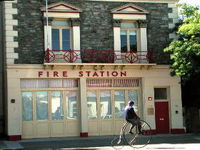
(185, 52)
(187, 10)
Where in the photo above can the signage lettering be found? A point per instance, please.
(57, 74)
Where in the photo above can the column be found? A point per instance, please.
(76, 36)
(143, 41)
(143, 34)
(83, 104)
(117, 40)
(47, 34)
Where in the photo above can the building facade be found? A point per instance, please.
(72, 66)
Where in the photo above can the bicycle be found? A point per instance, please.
(135, 140)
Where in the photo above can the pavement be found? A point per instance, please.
(98, 142)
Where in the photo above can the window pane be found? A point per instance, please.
(105, 105)
(133, 41)
(128, 25)
(123, 36)
(119, 104)
(55, 83)
(92, 105)
(56, 106)
(66, 39)
(160, 93)
(41, 105)
(133, 96)
(60, 23)
(55, 39)
(27, 100)
(71, 101)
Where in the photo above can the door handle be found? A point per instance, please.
(162, 119)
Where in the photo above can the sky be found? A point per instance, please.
(191, 2)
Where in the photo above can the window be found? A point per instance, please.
(160, 93)
(92, 105)
(105, 105)
(42, 105)
(27, 100)
(61, 35)
(128, 35)
(56, 105)
(119, 103)
(71, 102)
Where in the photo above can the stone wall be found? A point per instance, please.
(96, 28)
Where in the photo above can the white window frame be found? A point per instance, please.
(60, 36)
(128, 30)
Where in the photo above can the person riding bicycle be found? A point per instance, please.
(132, 117)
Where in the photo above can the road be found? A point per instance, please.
(158, 142)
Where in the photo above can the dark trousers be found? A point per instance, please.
(133, 123)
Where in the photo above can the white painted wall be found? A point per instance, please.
(157, 76)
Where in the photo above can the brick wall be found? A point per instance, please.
(96, 28)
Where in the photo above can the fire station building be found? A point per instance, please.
(72, 66)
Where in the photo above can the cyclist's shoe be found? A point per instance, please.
(130, 132)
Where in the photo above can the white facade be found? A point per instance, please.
(150, 77)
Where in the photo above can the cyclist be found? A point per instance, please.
(132, 117)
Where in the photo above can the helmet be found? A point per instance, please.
(131, 103)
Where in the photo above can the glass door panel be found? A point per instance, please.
(27, 102)
(119, 99)
(71, 105)
(42, 105)
(133, 95)
(56, 105)
(92, 104)
(105, 105)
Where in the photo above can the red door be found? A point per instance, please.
(162, 117)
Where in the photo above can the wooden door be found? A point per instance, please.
(162, 117)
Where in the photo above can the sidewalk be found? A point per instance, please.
(74, 142)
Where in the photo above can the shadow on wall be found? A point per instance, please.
(192, 119)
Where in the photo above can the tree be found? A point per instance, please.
(185, 63)
(185, 52)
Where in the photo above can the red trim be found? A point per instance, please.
(131, 7)
(178, 131)
(63, 5)
(150, 132)
(84, 134)
(14, 137)
(63, 11)
(131, 13)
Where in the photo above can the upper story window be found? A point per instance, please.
(63, 29)
(128, 36)
(130, 31)
(61, 35)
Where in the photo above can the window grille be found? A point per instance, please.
(113, 83)
(59, 83)
(99, 83)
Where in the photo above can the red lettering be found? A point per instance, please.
(47, 73)
(123, 74)
(40, 73)
(108, 73)
(55, 74)
(64, 73)
(80, 73)
(102, 72)
(88, 73)
(95, 74)
(114, 73)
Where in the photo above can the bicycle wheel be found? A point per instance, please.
(117, 142)
(137, 140)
